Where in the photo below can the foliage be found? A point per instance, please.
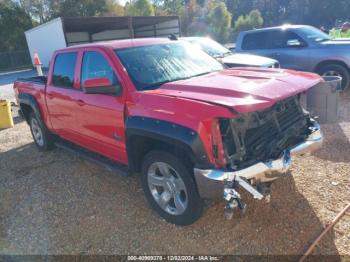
(219, 21)
(173, 7)
(114, 8)
(140, 8)
(250, 21)
(276, 12)
(13, 22)
(81, 8)
(190, 22)
(39, 10)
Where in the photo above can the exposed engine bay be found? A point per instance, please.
(264, 135)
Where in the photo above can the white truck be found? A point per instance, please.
(67, 31)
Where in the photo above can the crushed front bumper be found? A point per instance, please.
(211, 182)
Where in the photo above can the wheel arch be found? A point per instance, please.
(27, 105)
(146, 134)
(330, 62)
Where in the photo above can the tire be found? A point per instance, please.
(336, 70)
(170, 188)
(42, 137)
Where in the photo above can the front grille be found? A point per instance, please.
(264, 135)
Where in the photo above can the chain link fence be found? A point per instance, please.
(14, 60)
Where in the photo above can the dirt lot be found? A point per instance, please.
(56, 203)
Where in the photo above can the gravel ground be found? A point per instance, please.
(56, 203)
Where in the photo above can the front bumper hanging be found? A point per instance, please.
(211, 182)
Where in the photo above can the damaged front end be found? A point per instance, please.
(258, 147)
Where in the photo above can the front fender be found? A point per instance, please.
(169, 133)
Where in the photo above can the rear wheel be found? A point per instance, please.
(43, 139)
(170, 188)
(336, 70)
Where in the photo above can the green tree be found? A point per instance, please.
(81, 8)
(173, 7)
(114, 8)
(255, 18)
(39, 10)
(140, 8)
(219, 21)
(13, 22)
(250, 21)
(189, 18)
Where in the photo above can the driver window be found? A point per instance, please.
(279, 39)
(96, 66)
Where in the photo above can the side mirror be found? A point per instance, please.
(101, 85)
(295, 43)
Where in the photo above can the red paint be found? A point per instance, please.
(97, 82)
(91, 120)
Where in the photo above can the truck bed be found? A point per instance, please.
(35, 79)
(32, 87)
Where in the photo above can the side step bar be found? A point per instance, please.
(102, 161)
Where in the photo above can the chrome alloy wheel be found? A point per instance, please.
(37, 132)
(167, 188)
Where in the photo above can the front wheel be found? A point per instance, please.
(336, 70)
(170, 188)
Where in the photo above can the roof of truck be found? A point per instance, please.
(119, 44)
(287, 26)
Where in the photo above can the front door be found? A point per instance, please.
(101, 116)
(289, 49)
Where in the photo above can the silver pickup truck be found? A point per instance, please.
(300, 47)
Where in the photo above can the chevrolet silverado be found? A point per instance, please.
(162, 108)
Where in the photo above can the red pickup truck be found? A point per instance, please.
(162, 108)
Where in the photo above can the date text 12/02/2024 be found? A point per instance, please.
(173, 258)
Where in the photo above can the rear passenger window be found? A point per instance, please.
(63, 70)
(255, 41)
(96, 66)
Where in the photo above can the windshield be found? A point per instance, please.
(315, 34)
(210, 46)
(151, 66)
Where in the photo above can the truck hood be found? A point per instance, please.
(249, 60)
(241, 89)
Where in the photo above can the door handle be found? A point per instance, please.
(277, 54)
(80, 102)
(50, 96)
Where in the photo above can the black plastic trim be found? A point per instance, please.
(167, 132)
(29, 100)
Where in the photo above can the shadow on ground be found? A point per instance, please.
(336, 147)
(55, 203)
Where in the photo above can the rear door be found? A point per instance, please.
(62, 95)
(101, 116)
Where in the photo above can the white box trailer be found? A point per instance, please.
(67, 31)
